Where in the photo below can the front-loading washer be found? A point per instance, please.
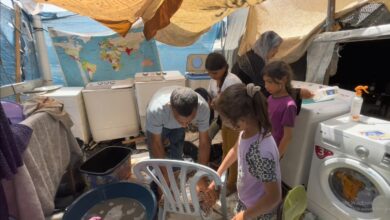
(350, 169)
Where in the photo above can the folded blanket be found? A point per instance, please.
(30, 194)
(54, 107)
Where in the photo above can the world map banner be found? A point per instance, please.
(90, 58)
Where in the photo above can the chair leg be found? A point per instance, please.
(161, 213)
(223, 205)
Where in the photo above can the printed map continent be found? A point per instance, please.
(95, 58)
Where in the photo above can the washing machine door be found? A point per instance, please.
(351, 186)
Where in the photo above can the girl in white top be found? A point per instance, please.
(217, 69)
(221, 79)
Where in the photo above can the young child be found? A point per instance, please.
(244, 109)
(221, 79)
(282, 108)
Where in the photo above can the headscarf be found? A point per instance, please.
(253, 62)
(267, 41)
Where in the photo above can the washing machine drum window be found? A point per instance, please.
(353, 189)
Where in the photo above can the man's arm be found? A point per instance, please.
(157, 147)
(158, 151)
(210, 196)
(204, 148)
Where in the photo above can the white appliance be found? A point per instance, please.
(74, 106)
(147, 83)
(196, 63)
(350, 169)
(295, 165)
(196, 73)
(111, 109)
(195, 81)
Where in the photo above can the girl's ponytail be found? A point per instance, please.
(260, 108)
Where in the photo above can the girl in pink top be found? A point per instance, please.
(244, 109)
(282, 109)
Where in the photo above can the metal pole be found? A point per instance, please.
(330, 15)
(43, 58)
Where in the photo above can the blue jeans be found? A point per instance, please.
(176, 142)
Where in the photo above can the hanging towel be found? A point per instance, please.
(54, 107)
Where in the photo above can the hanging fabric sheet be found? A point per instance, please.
(88, 58)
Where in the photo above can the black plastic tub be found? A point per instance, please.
(111, 164)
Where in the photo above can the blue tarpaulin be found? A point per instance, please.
(7, 47)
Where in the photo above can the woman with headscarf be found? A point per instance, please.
(249, 67)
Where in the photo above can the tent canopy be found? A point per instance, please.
(180, 23)
(296, 21)
(174, 22)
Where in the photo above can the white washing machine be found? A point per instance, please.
(74, 106)
(111, 109)
(350, 169)
(295, 165)
(147, 83)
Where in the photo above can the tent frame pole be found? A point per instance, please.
(17, 30)
(330, 21)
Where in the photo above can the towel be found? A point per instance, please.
(54, 107)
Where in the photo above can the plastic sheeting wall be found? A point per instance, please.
(321, 50)
(7, 47)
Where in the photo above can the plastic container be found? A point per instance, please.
(195, 81)
(326, 93)
(111, 164)
(104, 193)
(357, 102)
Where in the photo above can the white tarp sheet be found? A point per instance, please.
(296, 21)
(322, 48)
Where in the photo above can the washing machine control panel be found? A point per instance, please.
(149, 76)
(362, 152)
(386, 159)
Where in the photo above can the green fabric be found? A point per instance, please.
(295, 203)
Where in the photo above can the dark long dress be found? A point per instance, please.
(13, 141)
(249, 68)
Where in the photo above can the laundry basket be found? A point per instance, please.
(111, 164)
(142, 203)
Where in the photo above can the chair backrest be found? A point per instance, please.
(295, 203)
(181, 193)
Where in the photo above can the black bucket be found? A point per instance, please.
(111, 164)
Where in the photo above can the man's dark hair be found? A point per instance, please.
(184, 100)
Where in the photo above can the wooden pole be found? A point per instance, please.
(18, 69)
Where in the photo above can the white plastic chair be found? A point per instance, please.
(176, 198)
